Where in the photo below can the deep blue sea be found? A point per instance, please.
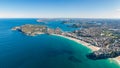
(43, 51)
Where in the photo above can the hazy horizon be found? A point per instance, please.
(109, 9)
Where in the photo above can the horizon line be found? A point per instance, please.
(57, 17)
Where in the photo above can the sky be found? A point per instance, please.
(59, 8)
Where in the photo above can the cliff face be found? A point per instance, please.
(104, 53)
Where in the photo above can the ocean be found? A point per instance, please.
(43, 51)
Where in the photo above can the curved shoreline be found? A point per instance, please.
(93, 48)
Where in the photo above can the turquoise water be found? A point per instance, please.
(43, 51)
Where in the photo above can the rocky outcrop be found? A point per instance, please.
(16, 28)
(58, 31)
(104, 53)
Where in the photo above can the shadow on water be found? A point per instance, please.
(74, 59)
(54, 53)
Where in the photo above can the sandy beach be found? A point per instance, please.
(117, 59)
(93, 48)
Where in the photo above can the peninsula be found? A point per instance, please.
(33, 30)
(103, 40)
